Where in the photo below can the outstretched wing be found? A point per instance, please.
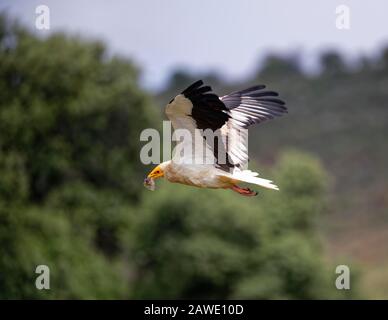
(245, 108)
(198, 108)
(230, 116)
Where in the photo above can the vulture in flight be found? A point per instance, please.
(221, 160)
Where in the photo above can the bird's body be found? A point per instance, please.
(219, 161)
(208, 176)
(197, 175)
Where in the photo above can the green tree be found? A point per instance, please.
(69, 112)
(213, 244)
(332, 63)
(70, 120)
(275, 66)
(71, 195)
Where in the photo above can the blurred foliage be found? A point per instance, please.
(212, 244)
(338, 113)
(71, 194)
(70, 120)
(68, 113)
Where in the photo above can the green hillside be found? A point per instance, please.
(341, 116)
(72, 198)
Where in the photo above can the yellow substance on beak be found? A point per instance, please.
(149, 182)
(157, 172)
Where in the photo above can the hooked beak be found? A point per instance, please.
(156, 173)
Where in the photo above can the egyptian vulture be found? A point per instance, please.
(221, 161)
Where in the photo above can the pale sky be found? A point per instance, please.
(226, 36)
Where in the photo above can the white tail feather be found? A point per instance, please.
(251, 177)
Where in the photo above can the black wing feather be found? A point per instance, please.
(250, 106)
(209, 112)
(254, 105)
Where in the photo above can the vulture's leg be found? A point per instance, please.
(244, 191)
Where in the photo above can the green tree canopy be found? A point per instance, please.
(71, 194)
(70, 120)
(211, 244)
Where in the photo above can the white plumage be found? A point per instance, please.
(209, 163)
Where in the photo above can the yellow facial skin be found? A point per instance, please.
(157, 172)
